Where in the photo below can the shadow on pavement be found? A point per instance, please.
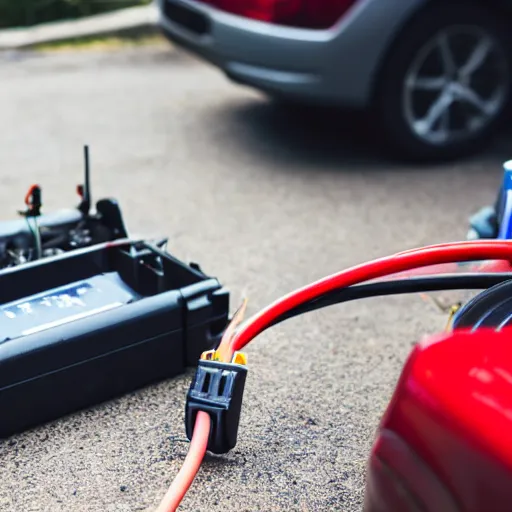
(312, 136)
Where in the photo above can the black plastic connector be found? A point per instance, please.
(218, 390)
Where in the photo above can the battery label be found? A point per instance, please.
(62, 305)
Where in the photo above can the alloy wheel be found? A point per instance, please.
(456, 86)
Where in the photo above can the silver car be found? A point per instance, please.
(435, 74)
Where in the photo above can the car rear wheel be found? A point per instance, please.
(446, 85)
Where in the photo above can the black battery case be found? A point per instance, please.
(93, 324)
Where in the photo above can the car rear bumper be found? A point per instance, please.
(275, 59)
(335, 66)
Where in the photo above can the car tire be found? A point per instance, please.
(402, 103)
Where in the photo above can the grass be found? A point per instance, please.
(101, 43)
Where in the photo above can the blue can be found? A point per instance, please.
(504, 204)
(495, 222)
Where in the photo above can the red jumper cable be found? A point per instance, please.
(497, 253)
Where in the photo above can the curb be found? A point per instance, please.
(133, 19)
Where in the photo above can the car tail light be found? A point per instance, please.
(314, 14)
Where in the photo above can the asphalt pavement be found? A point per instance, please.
(265, 200)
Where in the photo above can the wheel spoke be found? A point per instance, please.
(446, 54)
(427, 83)
(478, 57)
(445, 122)
(471, 97)
(438, 109)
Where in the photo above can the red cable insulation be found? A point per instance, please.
(400, 262)
(431, 255)
(190, 468)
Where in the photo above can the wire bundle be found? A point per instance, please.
(340, 287)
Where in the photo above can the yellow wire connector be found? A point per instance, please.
(215, 355)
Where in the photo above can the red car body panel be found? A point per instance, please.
(445, 441)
